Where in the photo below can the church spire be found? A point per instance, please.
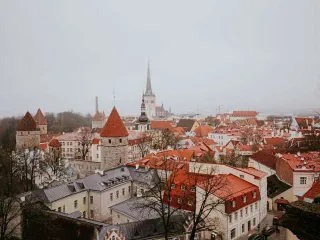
(148, 88)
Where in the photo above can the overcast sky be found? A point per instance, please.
(58, 55)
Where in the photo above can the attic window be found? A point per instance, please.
(233, 204)
(244, 199)
(254, 194)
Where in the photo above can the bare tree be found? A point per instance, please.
(52, 165)
(164, 139)
(175, 189)
(144, 143)
(85, 142)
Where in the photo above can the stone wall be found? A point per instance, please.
(43, 129)
(26, 139)
(84, 168)
(114, 152)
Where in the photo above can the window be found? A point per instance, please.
(172, 185)
(64, 208)
(118, 215)
(111, 196)
(84, 214)
(97, 155)
(75, 203)
(67, 143)
(91, 214)
(244, 199)
(123, 192)
(254, 194)
(190, 203)
(110, 211)
(84, 200)
(117, 194)
(183, 187)
(256, 206)
(230, 218)
(251, 208)
(193, 189)
(303, 180)
(109, 140)
(179, 200)
(235, 216)
(78, 143)
(63, 143)
(254, 221)
(59, 209)
(241, 213)
(242, 228)
(246, 210)
(120, 140)
(233, 204)
(241, 176)
(70, 143)
(129, 189)
(91, 199)
(233, 233)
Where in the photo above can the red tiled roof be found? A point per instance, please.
(265, 158)
(114, 127)
(55, 143)
(244, 114)
(27, 123)
(43, 146)
(304, 122)
(275, 141)
(161, 125)
(202, 131)
(281, 201)
(235, 190)
(313, 191)
(95, 141)
(178, 130)
(99, 116)
(39, 118)
(244, 147)
(257, 173)
(306, 162)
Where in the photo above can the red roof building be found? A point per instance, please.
(114, 127)
(161, 125)
(39, 118)
(313, 192)
(55, 143)
(202, 131)
(244, 114)
(27, 123)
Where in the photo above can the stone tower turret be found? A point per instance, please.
(27, 133)
(149, 97)
(41, 122)
(114, 142)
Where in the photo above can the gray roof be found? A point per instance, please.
(186, 123)
(147, 229)
(133, 208)
(275, 186)
(142, 175)
(94, 182)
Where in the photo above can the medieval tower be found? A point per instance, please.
(149, 97)
(41, 122)
(114, 142)
(27, 134)
(99, 118)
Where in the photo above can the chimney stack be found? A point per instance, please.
(97, 109)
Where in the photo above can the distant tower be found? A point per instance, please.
(41, 122)
(149, 97)
(27, 134)
(99, 118)
(143, 123)
(114, 142)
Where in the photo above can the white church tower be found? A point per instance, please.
(149, 98)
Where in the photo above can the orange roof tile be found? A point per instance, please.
(27, 123)
(202, 131)
(160, 125)
(114, 127)
(43, 146)
(313, 191)
(39, 118)
(55, 143)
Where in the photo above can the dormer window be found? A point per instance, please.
(183, 187)
(233, 203)
(193, 189)
(173, 186)
(254, 194)
(244, 199)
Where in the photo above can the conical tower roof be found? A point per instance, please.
(114, 126)
(27, 123)
(39, 118)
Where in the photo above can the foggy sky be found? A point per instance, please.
(59, 55)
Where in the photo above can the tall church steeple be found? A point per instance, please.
(148, 87)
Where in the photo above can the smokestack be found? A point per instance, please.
(97, 108)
